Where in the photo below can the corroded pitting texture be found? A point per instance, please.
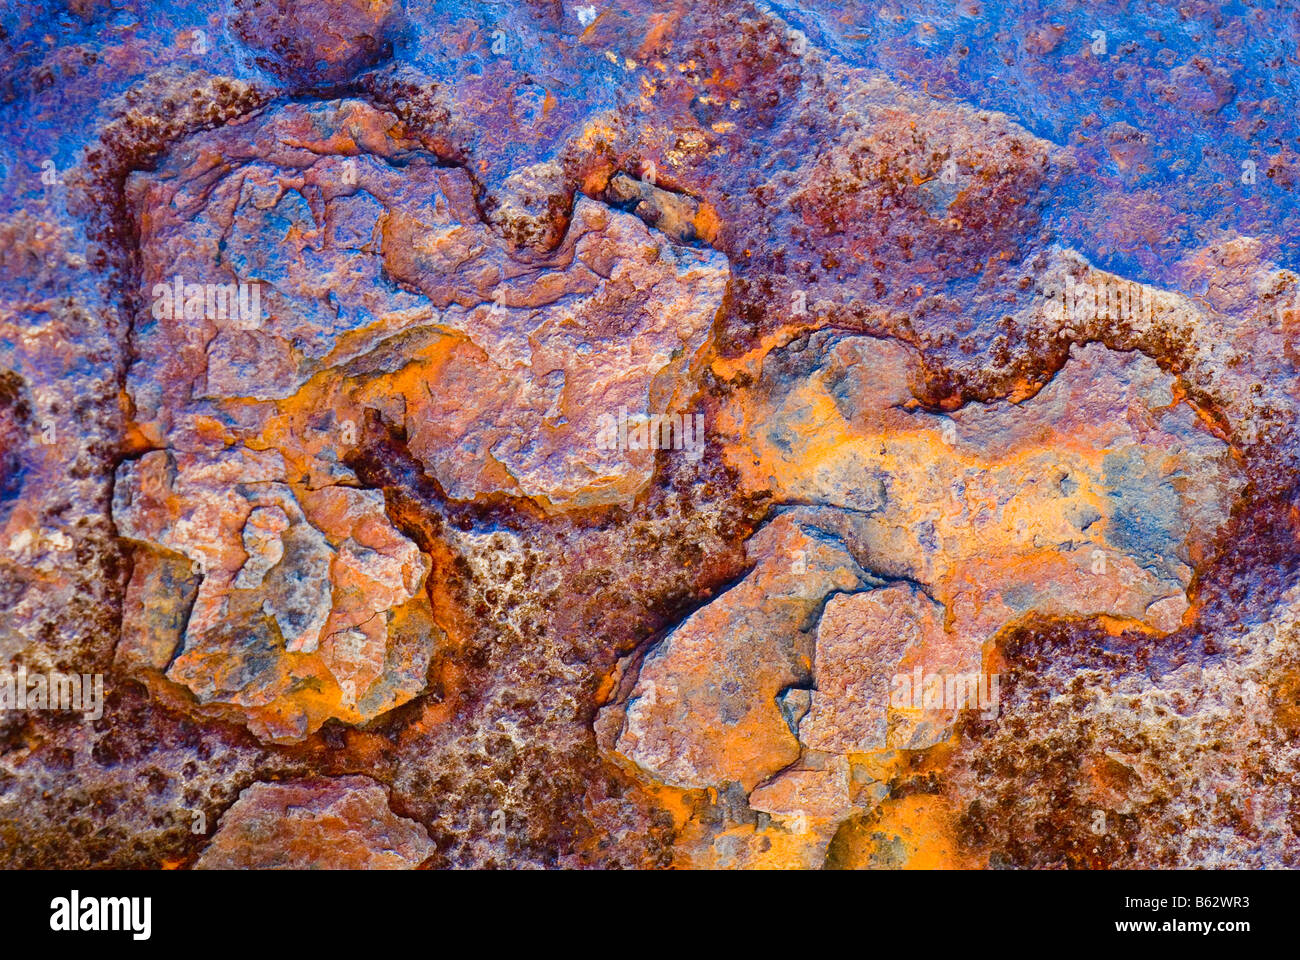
(378, 289)
(642, 405)
(340, 823)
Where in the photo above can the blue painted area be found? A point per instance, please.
(1157, 128)
(1146, 519)
(1010, 57)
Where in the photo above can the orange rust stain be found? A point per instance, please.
(750, 362)
(660, 25)
(924, 824)
(605, 688)
(707, 223)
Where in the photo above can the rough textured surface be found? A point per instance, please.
(339, 824)
(1090, 499)
(653, 417)
(383, 290)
